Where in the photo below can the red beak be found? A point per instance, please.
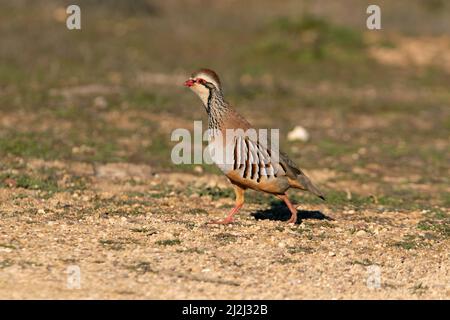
(189, 83)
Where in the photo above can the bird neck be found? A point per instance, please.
(216, 107)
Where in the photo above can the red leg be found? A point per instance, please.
(239, 203)
(292, 209)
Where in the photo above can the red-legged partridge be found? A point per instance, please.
(243, 158)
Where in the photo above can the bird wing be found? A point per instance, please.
(252, 159)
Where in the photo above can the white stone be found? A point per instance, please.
(361, 233)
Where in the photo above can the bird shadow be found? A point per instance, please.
(278, 211)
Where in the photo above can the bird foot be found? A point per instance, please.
(292, 220)
(224, 221)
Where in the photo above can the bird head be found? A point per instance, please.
(202, 81)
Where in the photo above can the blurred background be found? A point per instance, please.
(375, 103)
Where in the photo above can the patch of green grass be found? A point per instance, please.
(334, 198)
(410, 242)
(336, 148)
(6, 263)
(305, 232)
(112, 244)
(48, 182)
(226, 206)
(216, 193)
(310, 38)
(141, 267)
(323, 29)
(437, 222)
(445, 199)
(145, 100)
(325, 224)
(192, 250)
(33, 145)
(396, 200)
(258, 197)
(286, 261)
(407, 245)
(168, 242)
(8, 246)
(19, 197)
(26, 263)
(419, 288)
(147, 231)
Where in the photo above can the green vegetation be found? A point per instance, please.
(225, 237)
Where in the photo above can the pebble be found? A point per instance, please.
(361, 233)
(41, 211)
(331, 254)
(100, 102)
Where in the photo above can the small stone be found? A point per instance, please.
(298, 134)
(361, 233)
(331, 254)
(198, 169)
(100, 102)
(41, 211)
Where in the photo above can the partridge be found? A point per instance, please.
(247, 161)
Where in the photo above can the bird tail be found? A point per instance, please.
(304, 183)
